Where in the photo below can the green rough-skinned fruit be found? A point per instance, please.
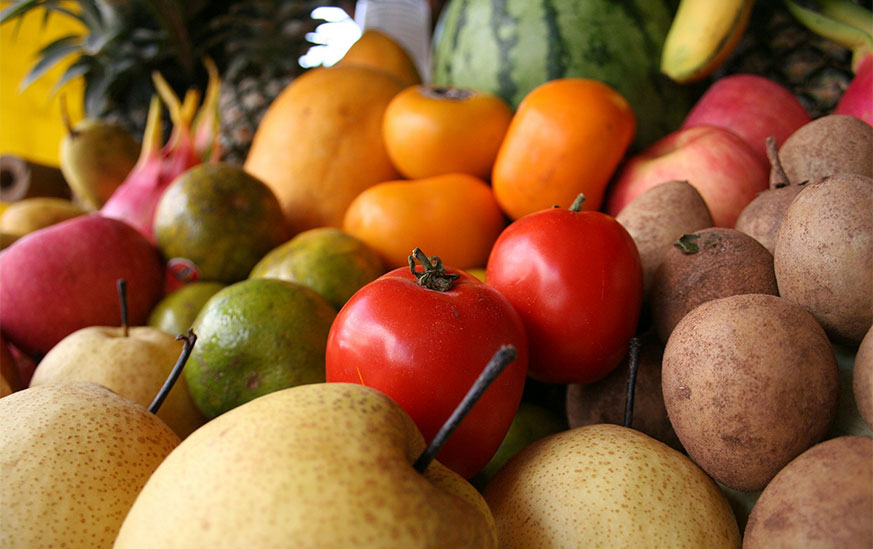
(256, 337)
(509, 47)
(175, 313)
(221, 218)
(333, 263)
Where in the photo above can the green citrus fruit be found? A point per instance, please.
(255, 337)
(175, 313)
(332, 262)
(221, 218)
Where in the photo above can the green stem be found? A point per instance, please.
(577, 204)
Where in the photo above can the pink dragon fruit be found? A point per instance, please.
(135, 200)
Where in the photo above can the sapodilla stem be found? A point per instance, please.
(499, 361)
(633, 361)
(190, 338)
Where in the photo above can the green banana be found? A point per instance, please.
(842, 21)
(702, 36)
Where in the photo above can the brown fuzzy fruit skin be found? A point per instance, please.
(862, 378)
(823, 257)
(832, 144)
(824, 498)
(660, 215)
(604, 401)
(749, 381)
(706, 265)
(762, 217)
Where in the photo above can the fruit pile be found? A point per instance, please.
(580, 289)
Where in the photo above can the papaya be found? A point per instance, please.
(320, 143)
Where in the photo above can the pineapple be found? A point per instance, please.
(778, 47)
(254, 43)
(265, 39)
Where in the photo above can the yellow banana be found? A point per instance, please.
(702, 35)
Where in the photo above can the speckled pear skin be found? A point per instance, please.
(134, 366)
(319, 465)
(73, 457)
(607, 486)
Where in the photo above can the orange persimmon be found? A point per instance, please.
(567, 137)
(453, 216)
(435, 130)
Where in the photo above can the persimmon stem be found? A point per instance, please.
(121, 284)
(499, 361)
(190, 338)
(633, 360)
(434, 275)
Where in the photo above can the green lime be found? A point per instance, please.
(221, 218)
(255, 337)
(175, 313)
(332, 262)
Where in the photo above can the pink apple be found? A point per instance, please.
(752, 107)
(857, 100)
(719, 164)
(62, 278)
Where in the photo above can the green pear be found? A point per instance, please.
(319, 465)
(31, 214)
(95, 157)
(610, 486)
(134, 365)
(73, 457)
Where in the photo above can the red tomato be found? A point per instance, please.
(425, 348)
(576, 280)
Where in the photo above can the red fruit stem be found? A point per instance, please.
(499, 361)
(633, 367)
(190, 338)
(434, 276)
(576, 206)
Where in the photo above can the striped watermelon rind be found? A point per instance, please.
(509, 47)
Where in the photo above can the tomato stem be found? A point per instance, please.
(577, 204)
(499, 361)
(121, 284)
(434, 276)
(189, 338)
(633, 366)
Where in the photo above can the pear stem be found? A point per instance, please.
(189, 338)
(633, 360)
(499, 361)
(121, 284)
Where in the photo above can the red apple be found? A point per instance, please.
(62, 278)
(752, 107)
(719, 164)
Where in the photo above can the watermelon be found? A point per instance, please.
(508, 47)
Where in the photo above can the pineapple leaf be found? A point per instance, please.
(95, 92)
(51, 55)
(18, 9)
(77, 69)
